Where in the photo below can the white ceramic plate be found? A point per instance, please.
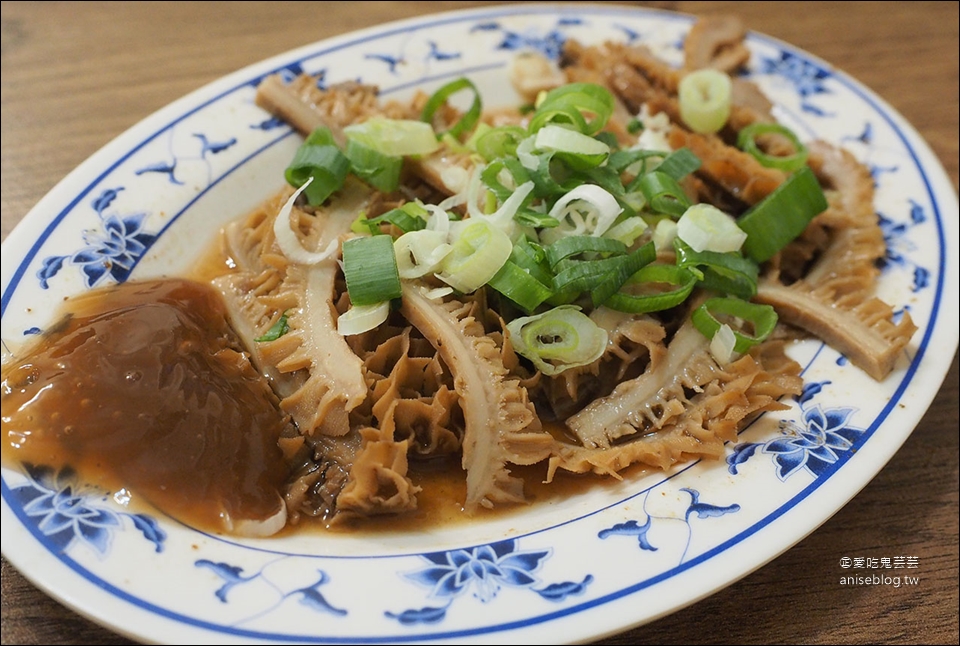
(604, 561)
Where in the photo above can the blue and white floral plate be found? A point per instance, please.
(603, 561)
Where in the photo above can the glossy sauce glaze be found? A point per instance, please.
(144, 387)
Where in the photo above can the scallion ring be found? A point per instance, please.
(468, 119)
(663, 193)
(747, 141)
(478, 253)
(557, 340)
(704, 97)
(593, 101)
(654, 300)
(738, 314)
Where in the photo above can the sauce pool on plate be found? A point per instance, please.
(144, 386)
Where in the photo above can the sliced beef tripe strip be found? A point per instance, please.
(305, 107)
(501, 426)
(316, 374)
(834, 299)
(685, 405)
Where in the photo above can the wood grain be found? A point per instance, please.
(76, 75)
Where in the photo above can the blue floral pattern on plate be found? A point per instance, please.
(523, 578)
(68, 513)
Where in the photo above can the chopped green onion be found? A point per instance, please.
(723, 345)
(634, 126)
(558, 115)
(370, 269)
(532, 258)
(580, 149)
(601, 278)
(478, 253)
(704, 97)
(361, 318)
(276, 330)
(628, 230)
(288, 240)
(594, 102)
(380, 171)
(586, 210)
(664, 234)
(738, 314)
(520, 286)
(648, 277)
(557, 340)
(782, 215)
(574, 245)
(468, 119)
(500, 141)
(706, 228)
(394, 137)
(635, 160)
(409, 217)
(420, 252)
(727, 273)
(747, 141)
(679, 163)
(318, 157)
(663, 193)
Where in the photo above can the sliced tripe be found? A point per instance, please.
(500, 424)
(306, 107)
(834, 299)
(656, 430)
(315, 372)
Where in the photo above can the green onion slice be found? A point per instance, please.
(361, 318)
(747, 141)
(739, 315)
(663, 193)
(628, 230)
(601, 278)
(586, 210)
(500, 142)
(558, 115)
(650, 279)
(276, 330)
(478, 253)
(575, 245)
(559, 339)
(319, 158)
(380, 171)
(704, 97)
(520, 286)
(578, 150)
(706, 228)
(370, 269)
(394, 137)
(594, 102)
(409, 217)
(782, 215)
(679, 163)
(420, 252)
(468, 119)
(289, 241)
(727, 273)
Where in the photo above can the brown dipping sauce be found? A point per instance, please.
(145, 386)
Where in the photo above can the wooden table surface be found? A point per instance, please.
(76, 75)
